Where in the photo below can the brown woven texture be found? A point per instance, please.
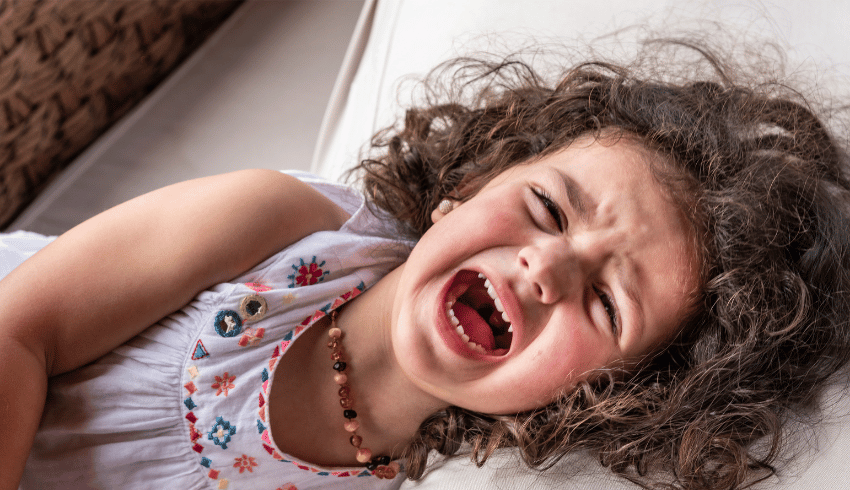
(71, 68)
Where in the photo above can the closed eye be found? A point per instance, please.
(551, 208)
(610, 308)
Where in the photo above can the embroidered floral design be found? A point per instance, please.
(194, 433)
(193, 371)
(224, 383)
(245, 463)
(308, 274)
(191, 388)
(260, 288)
(206, 462)
(325, 310)
(189, 403)
(265, 436)
(251, 336)
(223, 483)
(253, 307)
(221, 432)
(288, 486)
(228, 323)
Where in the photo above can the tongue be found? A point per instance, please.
(474, 326)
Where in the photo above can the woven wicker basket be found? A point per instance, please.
(71, 68)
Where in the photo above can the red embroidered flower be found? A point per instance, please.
(224, 383)
(288, 486)
(245, 463)
(309, 274)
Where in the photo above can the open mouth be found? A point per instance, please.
(478, 315)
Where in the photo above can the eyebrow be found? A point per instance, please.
(579, 199)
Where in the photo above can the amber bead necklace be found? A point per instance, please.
(381, 466)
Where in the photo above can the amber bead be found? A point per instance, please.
(345, 402)
(344, 391)
(356, 440)
(364, 454)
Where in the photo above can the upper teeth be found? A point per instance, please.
(496, 301)
(491, 291)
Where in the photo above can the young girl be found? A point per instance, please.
(654, 271)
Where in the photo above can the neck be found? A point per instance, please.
(306, 416)
(390, 405)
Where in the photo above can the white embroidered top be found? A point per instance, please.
(183, 405)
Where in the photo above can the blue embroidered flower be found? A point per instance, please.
(228, 323)
(221, 432)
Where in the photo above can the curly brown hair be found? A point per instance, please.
(763, 181)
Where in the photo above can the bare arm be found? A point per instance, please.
(109, 278)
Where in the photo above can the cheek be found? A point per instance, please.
(496, 211)
(556, 364)
(466, 232)
(503, 218)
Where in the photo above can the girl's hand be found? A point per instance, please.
(109, 278)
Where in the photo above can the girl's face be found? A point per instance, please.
(573, 262)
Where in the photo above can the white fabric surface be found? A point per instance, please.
(17, 247)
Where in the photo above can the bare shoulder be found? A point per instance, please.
(232, 221)
(295, 194)
(272, 208)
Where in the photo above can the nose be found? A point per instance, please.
(550, 268)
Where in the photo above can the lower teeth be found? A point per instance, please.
(476, 347)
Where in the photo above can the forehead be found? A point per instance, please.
(623, 152)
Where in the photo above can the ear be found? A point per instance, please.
(437, 215)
